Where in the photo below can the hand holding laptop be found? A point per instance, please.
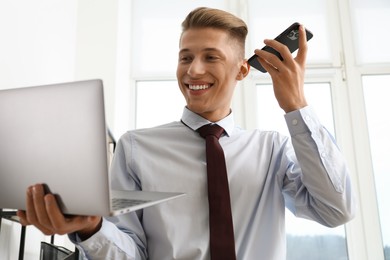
(57, 135)
(43, 212)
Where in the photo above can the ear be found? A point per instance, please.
(244, 70)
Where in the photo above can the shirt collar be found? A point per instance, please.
(195, 121)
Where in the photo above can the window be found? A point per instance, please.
(376, 95)
(305, 239)
(370, 35)
(158, 102)
(268, 20)
(155, 46)
(317, 94)
(156, 28)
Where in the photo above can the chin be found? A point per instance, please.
(199, 109)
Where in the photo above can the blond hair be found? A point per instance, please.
(204, 17)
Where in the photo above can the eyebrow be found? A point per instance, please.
(205, 50)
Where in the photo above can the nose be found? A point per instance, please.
(196, 68)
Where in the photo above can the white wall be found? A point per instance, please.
(51, 41)
(96, 47)
(38, 40)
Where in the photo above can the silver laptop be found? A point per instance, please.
(57, 135)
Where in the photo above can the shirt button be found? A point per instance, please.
(307, 118)
(323, 154)
(294, 122)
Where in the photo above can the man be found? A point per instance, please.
(265, 173)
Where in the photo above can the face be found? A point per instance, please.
(208, 70)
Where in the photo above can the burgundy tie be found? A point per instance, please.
(221, 223)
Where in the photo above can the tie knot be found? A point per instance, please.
(211, 129)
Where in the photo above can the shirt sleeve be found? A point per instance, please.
(120, 237)
(108, 243)
(318, 187)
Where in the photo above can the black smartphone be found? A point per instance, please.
(289, 38)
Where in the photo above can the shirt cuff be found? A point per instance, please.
(103, 242)
(301, 121)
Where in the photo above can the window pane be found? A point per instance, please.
(156, 30)
(305, 239)
(318, 96)
(268, 19)
(371, 26)
(376, 95)
(158, 102)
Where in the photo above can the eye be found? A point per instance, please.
(185, 59)
(211, 57)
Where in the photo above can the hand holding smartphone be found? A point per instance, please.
(288, 37)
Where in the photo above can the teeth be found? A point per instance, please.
(198, 87)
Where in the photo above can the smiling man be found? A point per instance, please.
(210, 64)
(264, 172)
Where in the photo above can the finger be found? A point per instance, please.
(302, 51)
(22, 217)
(57, 219)
(283, 50)
(274, 61)
(30, 210)
(268, 60)
(39, 205)
(63, 225)
(30, 213)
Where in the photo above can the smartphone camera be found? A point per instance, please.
(293, 35)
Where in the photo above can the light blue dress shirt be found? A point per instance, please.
(267, 172)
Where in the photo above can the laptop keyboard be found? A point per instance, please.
(119, 203)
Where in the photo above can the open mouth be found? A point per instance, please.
(198, 87)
